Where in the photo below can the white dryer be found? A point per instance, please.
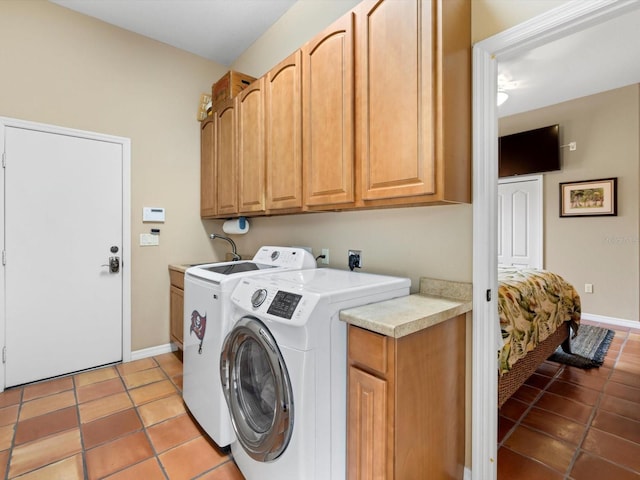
(207, 289)
(283, 370)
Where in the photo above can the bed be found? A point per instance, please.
(538, 311)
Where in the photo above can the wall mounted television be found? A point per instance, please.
(533, 151)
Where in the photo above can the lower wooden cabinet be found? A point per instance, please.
(176, 306)
(406, 404)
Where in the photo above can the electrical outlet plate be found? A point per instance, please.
(325, 260)
(359, 254)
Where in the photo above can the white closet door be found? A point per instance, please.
(520, 221)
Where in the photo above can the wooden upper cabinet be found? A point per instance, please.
(251, 148)
(207, 169)
(413, 112)
(283, 131)
(226, 168)
(375, 111)
(327, 110)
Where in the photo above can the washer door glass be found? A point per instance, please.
(257, 388)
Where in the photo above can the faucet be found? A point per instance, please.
(236, 257)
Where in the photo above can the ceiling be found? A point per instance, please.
(219, 30)
(600, 58)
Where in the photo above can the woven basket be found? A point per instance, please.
(524, 368)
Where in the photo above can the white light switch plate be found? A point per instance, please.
(148, 239)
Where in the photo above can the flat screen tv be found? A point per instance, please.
(533, 151)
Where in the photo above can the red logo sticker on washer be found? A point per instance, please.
(198, 326)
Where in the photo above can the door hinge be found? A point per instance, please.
(4, 159)
(4, 257)
(4, 354)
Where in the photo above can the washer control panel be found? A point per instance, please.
(297, 258)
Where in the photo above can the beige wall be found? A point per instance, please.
(67, 69)
(603, 251)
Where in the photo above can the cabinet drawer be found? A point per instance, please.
(177, 278)
(368, 349)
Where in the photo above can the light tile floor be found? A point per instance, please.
(118, 422)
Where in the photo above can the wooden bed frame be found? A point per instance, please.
(524, 368)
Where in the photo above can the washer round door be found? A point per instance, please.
(257, 388)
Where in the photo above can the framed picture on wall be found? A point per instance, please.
(589, 198)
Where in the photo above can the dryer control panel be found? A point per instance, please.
(284, 304)
(271, 301)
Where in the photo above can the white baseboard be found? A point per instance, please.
(467, 473)
(621, 322)
(151, 351)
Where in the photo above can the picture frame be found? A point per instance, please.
(589, 198)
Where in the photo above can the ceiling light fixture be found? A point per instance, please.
(502, 97)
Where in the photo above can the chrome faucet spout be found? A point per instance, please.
(236, 257)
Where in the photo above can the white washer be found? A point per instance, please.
(207, 289)
(283, 370)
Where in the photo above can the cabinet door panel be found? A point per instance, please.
(327, 99)
(367, 426)
(207, 170)
(396, 92)
(176, 308)
(227, 187)
(283, 130)
(250, 135)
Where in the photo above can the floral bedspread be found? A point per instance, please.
(531, 305)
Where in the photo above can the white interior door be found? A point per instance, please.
(520, 221)
(63, 221)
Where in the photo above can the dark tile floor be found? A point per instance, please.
(129, 422)
(568, 423)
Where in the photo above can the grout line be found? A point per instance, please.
(83, 453)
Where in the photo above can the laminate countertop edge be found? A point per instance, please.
(179, 267)
(437, 302)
